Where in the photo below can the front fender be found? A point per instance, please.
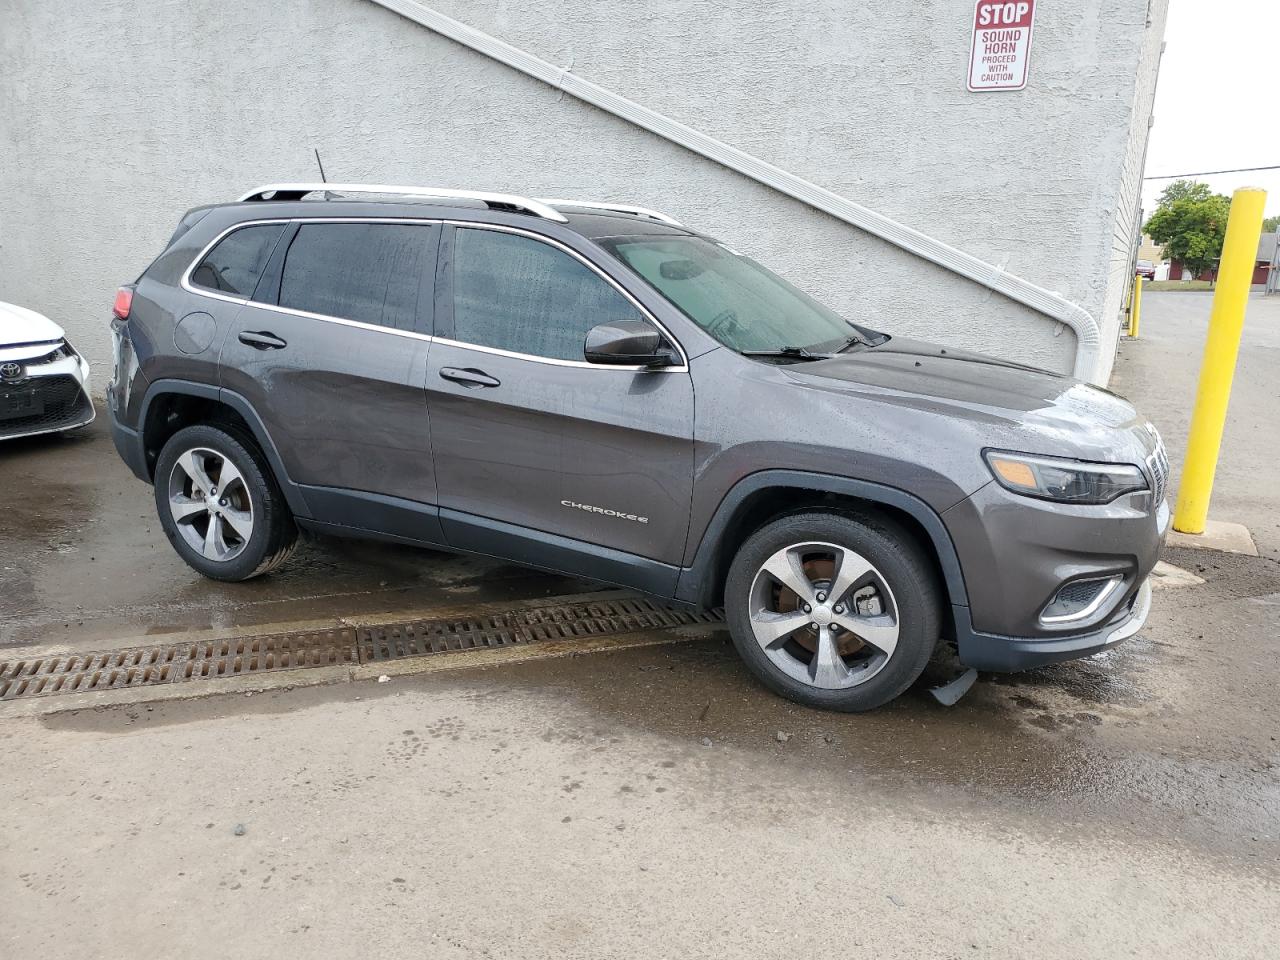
(697, 583)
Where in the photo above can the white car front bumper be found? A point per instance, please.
(44, 388)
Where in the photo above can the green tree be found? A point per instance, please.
(1271, 224)
(1190, 222)
(1184, 190)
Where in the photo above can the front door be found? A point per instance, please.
(536, 448)
(331, 354)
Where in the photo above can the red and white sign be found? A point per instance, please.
(1001, 44)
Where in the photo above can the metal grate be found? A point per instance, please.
(1080, 592)
(559, 622)
(213, 659)
(174, 663)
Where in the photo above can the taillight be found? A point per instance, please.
(124, 301)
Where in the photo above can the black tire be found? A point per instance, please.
(274, 535)
(898, 560)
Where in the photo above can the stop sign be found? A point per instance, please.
(1001, 44)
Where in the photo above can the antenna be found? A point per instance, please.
(323, 178)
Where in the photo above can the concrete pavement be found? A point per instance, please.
(643, 802)
(1160, 370)
(638, 804)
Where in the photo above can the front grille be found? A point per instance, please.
(1158, 464)
(41, 403)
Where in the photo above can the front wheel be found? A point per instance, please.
(219, 505)
(832, 610)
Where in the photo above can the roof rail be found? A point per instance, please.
(616, 207)
(500, 201)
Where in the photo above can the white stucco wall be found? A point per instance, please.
(116, 117)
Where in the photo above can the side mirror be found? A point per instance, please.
(628, 343)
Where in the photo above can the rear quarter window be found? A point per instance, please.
(235, 265)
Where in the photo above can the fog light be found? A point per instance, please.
(1080, 599)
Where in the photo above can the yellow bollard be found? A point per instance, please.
(1226, 323)
(1136, 308)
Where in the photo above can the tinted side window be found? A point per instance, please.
(371, 272)
(235, 264)
(522, 295)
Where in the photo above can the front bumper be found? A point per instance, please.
(45, 398)
(985, 651)
(1017, 552)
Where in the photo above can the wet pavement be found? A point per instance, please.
(656, 802)
(643, 802)
(85, 562)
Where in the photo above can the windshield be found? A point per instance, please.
(733, 298)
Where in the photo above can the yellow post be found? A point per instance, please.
(1226, 322)
(1135, 308)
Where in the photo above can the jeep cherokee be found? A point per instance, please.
(598, 390)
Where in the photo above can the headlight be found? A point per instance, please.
(1063, 480)
(63, 349)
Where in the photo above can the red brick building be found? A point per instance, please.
(1266, 251)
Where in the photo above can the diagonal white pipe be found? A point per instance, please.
(1043, 301)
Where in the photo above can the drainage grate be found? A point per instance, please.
(559, 622)
(174, 663)
(212, 659)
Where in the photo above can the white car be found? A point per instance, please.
(44, 383)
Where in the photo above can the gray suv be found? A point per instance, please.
(595, 389)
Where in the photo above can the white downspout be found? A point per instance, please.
(1043, 301)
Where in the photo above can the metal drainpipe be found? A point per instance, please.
(1053, 305)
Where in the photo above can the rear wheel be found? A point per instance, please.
(834, 611)
(219, 505)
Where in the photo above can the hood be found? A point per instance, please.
(20, 325)
(1008, 403)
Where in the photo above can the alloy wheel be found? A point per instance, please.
(824, 615)
(210, 504)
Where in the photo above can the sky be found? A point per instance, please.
(1218, 97)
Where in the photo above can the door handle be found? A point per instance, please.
(262, 340)
(469, 377)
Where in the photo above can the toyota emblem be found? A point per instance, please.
(10, 371)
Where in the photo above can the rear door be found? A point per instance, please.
(331, 352)
(531, 439)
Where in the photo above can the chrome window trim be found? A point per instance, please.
(290, 311)
(621, 368)
(187, 285)
(185, 281)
